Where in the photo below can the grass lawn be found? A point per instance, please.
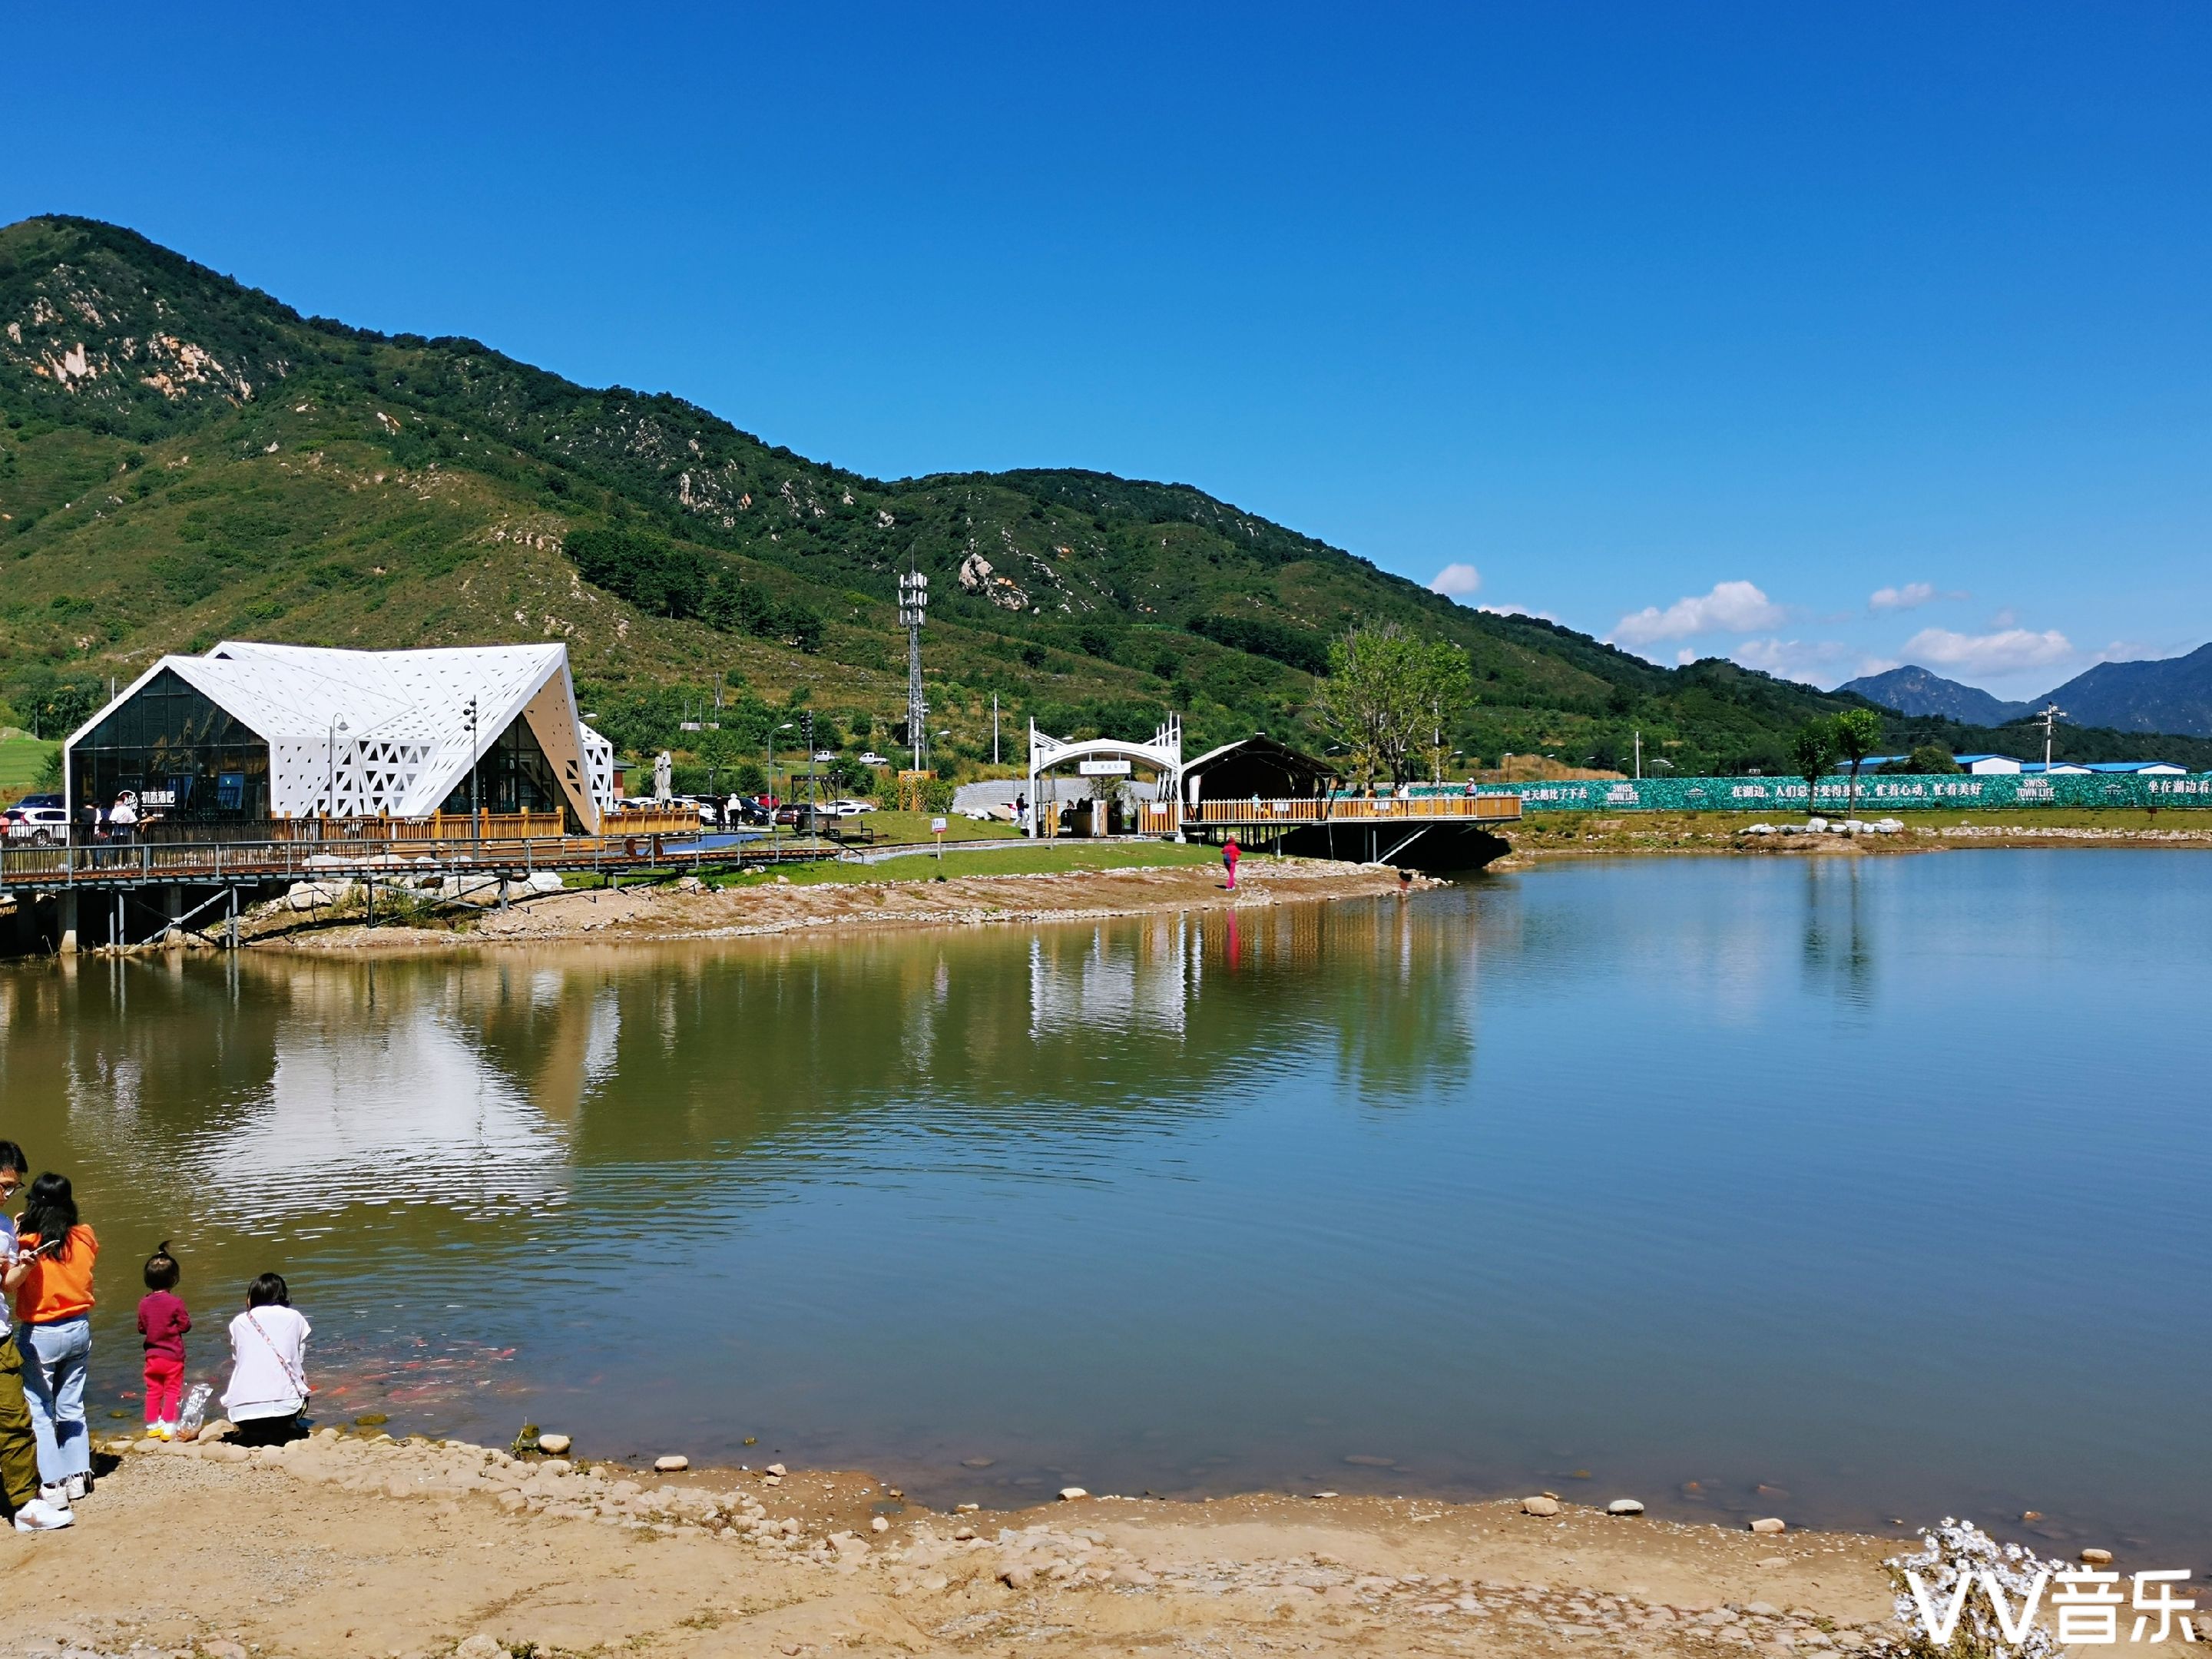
(19, 760)
(1049, 858)
(898, 827)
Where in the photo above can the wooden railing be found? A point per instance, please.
(1351, 809)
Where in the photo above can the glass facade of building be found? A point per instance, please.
(512, 775)
(186, 759)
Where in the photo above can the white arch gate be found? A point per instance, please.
(1114, 758)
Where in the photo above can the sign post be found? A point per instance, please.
(937, 829)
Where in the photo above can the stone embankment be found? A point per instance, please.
(417, 1549)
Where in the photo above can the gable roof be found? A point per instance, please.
(392, 726)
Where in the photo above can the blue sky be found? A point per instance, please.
(1823, 338)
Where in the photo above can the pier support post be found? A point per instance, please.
(65, 924)
(231, 931)
(173, 909)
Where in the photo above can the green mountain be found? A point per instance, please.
(184, 458)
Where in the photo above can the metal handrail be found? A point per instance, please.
(1351, 809)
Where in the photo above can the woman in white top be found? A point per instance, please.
(268, 1387)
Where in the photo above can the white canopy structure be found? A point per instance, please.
(347, 733)
(1108, 757)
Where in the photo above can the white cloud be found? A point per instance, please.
(1685, 657)
(1793, 660)
(2007, 650)
(1731, 607)
(1457, 581)
(1515, 610)
(1911, 597)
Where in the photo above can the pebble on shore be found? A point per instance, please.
(1624, 1506)
(674, 1463)
(2097, 1557)
(554, 1445)
(1069, 1494)
(1769, 1523)
(1539, 1505)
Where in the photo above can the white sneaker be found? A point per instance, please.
(80, 1485)
(39, 1516)
(56, 1495)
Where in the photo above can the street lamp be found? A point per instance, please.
(475, 798)
(331, 766)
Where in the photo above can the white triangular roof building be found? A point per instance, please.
(361, 734)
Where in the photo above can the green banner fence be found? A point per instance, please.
(1878, 795)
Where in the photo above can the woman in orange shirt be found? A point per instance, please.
(52, 1283)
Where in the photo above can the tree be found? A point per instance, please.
(1389, 693)
(749, 779)
(1858, 731)
(1812, 752)
(1931, 758)
(716, 748)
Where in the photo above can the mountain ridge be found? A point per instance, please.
(184, 458)
(1912, 689)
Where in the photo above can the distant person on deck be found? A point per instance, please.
(1229, 854)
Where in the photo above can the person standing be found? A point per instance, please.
(163, 1319)
(1229, 854)
(19, 1440)
(53, 1301)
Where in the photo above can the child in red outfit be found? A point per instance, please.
(162, 1320)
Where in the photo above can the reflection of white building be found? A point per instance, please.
(253, 731)
(407, 1111)
(1122, 981)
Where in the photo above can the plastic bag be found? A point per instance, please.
(195, 1412)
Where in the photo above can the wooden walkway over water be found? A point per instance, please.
(199, 884)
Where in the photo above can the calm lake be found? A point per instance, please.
(1880, 1182)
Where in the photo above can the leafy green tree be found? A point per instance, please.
(1812, 751)
(716, 750)
(1931, 758)
(749, 779)
(1391, 694)
(1858, 734)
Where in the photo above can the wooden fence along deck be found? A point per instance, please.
(1351, 809)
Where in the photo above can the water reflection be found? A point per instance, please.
(1216, 1201)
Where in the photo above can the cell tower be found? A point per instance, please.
(913, 600)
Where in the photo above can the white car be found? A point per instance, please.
(846, 807)
(824, 757)
(872, 758)
(39, 819)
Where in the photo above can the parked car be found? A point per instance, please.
(872, 758)
(40, 819)
(847, 807)
(824, 757)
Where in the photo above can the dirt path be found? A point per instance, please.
(346, 1546)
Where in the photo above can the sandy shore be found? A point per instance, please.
(352, 1546)
(687, 911)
